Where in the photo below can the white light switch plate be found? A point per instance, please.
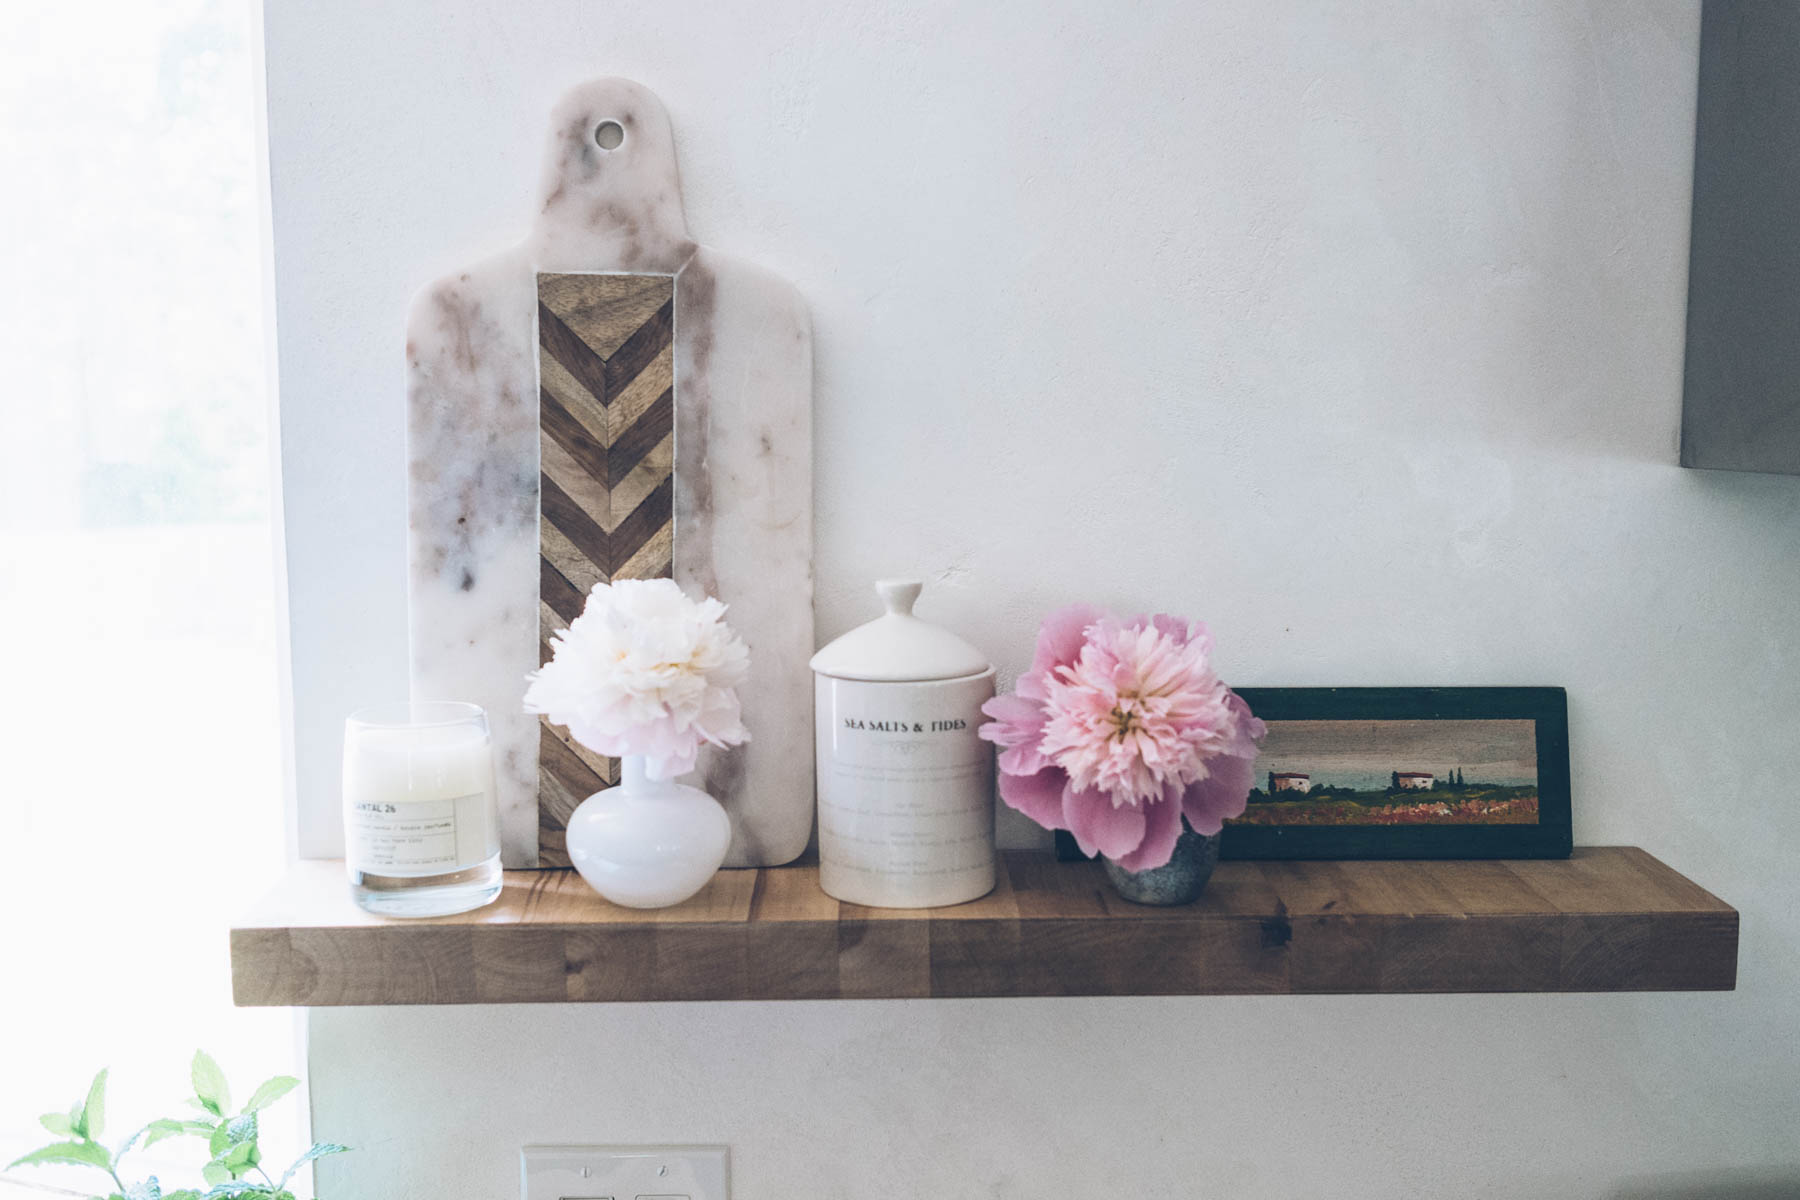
(623, 1173)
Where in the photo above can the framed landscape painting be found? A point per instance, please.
(1407, 773)
(1404, 773)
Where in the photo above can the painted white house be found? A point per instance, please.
(1416, 781)
(1292, 781)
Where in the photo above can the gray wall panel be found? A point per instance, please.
(1741, 406)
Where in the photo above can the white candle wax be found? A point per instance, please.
(419, 801)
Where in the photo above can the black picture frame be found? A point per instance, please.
(1546, 707)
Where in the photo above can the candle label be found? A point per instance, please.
(410, 838)
(906, 791)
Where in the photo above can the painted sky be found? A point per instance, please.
(1364, 753)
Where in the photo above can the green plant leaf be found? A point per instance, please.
(241, 1129)
(209, 1084)
(147, 1190)
(83, 1154)
(241, 1157)
(215, 1174)
(318, 1150)
(78, 1119)
(94, 1111)
(183, 1194)
(238, 1187)
(270, 1092)
(168, 1127)
(58, 1123)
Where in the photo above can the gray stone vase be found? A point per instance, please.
(1179, 881)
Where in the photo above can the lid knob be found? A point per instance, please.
(898, 647)
(899, 594)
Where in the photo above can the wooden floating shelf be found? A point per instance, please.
(1608, 919)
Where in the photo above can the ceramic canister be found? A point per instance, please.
(906, 787)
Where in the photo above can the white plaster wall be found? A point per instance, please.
(1354, 328)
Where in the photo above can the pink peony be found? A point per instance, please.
(1118, 730)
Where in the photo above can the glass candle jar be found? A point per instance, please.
(421, 826)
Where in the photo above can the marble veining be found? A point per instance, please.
(743, 453)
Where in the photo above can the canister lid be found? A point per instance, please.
(898, 646)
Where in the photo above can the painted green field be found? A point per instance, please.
(1470, 805)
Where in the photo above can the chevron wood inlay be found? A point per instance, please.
(606, 414)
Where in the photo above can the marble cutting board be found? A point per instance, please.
(607, 400)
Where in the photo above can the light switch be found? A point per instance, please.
(624, 1173)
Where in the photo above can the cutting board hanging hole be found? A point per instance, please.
(609, 135)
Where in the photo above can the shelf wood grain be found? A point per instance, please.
(1608, 919)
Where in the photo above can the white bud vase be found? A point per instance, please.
(648, 843)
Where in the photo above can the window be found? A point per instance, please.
(144, 805)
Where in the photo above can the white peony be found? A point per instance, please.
(645, 670)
